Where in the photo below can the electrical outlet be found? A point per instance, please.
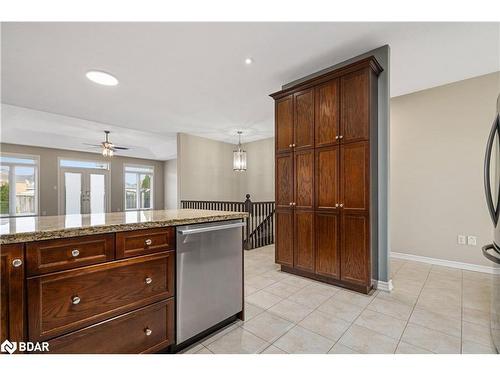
(471, 240)
(461, 239)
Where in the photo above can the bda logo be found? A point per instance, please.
(9, 347)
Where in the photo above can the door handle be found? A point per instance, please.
(495, 128)
(486, 253)
(211, 229)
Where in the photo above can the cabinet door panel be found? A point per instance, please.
(284, 124)
(304, 179)
(304, 119)
(304, 240)
(12, 293)
(355, 164)
(327, 244)
(284, 180)
(327, 113)
(284, 237)
(327, 177)
(355, 106)
(355, 257)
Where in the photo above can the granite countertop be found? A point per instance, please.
(25, 229)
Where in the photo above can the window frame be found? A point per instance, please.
(12, 192)
(138, 193)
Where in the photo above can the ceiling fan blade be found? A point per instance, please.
(120, 148)
(92, 145)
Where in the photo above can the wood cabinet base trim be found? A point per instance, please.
(355, 287)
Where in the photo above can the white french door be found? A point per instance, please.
(84, 191)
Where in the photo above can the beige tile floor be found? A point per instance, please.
(432, 309)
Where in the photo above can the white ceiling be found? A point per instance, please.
(191, 77)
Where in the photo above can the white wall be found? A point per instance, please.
(171, 196)
(205, 170)
(438, 139)
(259, 177)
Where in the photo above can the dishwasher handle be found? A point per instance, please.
(210, 229)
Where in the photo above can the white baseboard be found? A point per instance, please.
(386, 286)
(445, 263)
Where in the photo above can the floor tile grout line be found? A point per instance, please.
(412, 310)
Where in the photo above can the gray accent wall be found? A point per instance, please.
(49, 172)
(380, 194)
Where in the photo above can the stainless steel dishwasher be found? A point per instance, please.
(209, 276)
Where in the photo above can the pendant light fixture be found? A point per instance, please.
(239, 157)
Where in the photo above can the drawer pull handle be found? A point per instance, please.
(17, 262)
(75, 300)
(342, 205)
(148, 242)
(75, 252)
(148, 332)
(341, 136)
(148, 280)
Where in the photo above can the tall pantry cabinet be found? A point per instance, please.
(326, 142)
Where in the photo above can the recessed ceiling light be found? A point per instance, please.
(248, 60)
(102, 78)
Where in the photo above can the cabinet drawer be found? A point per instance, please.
(147, 241)
(142, 331)
(62, 254)
(69, 300)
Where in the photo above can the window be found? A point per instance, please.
(86, 164)
(18, 185)
(138, 187)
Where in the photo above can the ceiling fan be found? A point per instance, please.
(108, 148)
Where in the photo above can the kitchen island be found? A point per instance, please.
(99, 283)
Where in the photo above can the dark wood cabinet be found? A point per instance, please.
(324, 233)
(304, 179)
(284, 237)
(12, 293)
(284, 180)
(327, 113)
(69, 300)
(284, 124)
(141, 331)
(327, 173)
(327, 231)
(355, 176)
(66, 253)
(355, 247)
(303, 119)
(147, 241)
(304, 240)
(355, 106)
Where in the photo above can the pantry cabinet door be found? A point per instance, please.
(327, 113)
(284, 237)
(327, 254)
(355, 177)
(284, 124)
(284, 180)
(304, 119)
(304, 241)
(355, 248)
(355, 106)
(304, 179)
(327, 178)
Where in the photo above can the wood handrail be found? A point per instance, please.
(260, 217)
